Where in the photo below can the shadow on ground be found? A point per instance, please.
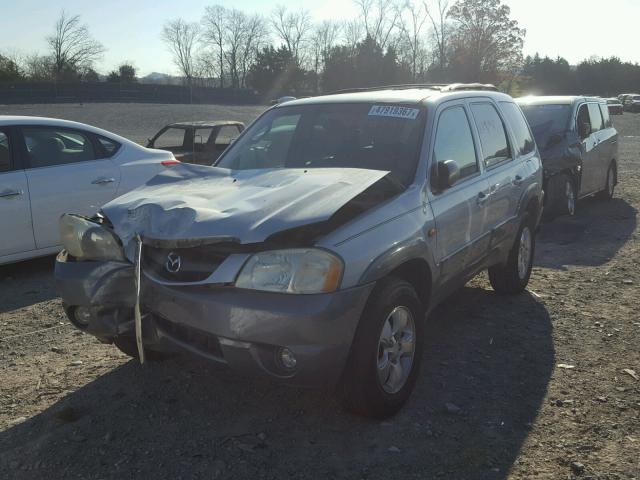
(491, 357)
(27, 282)
(590, 238)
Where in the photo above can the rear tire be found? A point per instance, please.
(128, 346)
(513, 277)
(386, 352)
(612, 178)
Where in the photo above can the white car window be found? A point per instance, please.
(53, 146)
(5, 153)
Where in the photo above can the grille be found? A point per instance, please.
(182, 264)
(203, 341)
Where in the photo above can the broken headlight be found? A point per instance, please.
(301, 270)
(87, 240)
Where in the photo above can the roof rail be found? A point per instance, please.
(455, 87)
(442, 87)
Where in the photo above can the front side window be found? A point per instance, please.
(454, 141)
(5, 153)
(171, 138)
(583, 117)
(525, 143)
(360, 135)
(51, 146)
(596, 117)
(493, 136)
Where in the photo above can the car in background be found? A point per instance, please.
(49, 167)
(199, 142)
(313, 249)
(631, 103)
(615, 106)
(579, 148)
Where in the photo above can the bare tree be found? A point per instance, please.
(412, 19)
(380, 19)
(438, 20)
(72, 46)
(256, 36)
(324, 37)
(213, 24)
(292, 28)
(353, 33)
(181, 38)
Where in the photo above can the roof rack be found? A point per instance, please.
(442, 87)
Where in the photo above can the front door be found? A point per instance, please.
(15, 209)
(459, 211)
(590, 151)
(65, 176)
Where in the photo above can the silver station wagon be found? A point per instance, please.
(314, 248)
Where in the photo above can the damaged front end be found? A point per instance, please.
(226, 269)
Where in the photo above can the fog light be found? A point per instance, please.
(287, 358)
(82, 316)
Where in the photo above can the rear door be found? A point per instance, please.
(504, 173)
(66, 175)
(459, 211)
(15, 209)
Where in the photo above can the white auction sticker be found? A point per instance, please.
(394, 111)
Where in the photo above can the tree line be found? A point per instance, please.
(389, 42)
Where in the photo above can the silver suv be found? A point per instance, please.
(314, 248)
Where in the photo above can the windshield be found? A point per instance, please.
(547, 121)
(636, 98)
(612, 101)
(372, 136)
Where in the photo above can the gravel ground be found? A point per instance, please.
(541, 385)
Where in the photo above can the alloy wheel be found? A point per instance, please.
(396, 348)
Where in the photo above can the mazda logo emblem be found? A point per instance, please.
(173, 263)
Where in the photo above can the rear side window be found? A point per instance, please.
(596, 117)
(455, 142)
(109, 147)
(5, 153)
(604, 110)
(524, 141)
(51, 146)
(493, 137)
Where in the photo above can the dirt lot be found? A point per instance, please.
(137, 121)
(73, 408)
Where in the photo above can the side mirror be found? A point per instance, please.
(446, 175)
(584, 129)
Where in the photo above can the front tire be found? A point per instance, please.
(386, 353)
(513, 277)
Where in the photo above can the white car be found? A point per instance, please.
(49, 167)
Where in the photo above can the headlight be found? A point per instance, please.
(292, 271)
(86, 240)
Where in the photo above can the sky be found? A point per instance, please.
(130, 29)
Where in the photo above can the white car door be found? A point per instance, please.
(66, 175)
(15, 211)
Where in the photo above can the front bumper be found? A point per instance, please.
(242, 328)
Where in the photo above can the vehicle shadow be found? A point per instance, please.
(590, 238)
(490, 357)
(27, 282)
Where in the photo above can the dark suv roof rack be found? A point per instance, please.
(442, 87)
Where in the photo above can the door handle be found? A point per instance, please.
(102, 181)
(518, 180)
(482, 198)
(11, 193)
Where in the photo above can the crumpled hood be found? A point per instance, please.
(193, 202)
